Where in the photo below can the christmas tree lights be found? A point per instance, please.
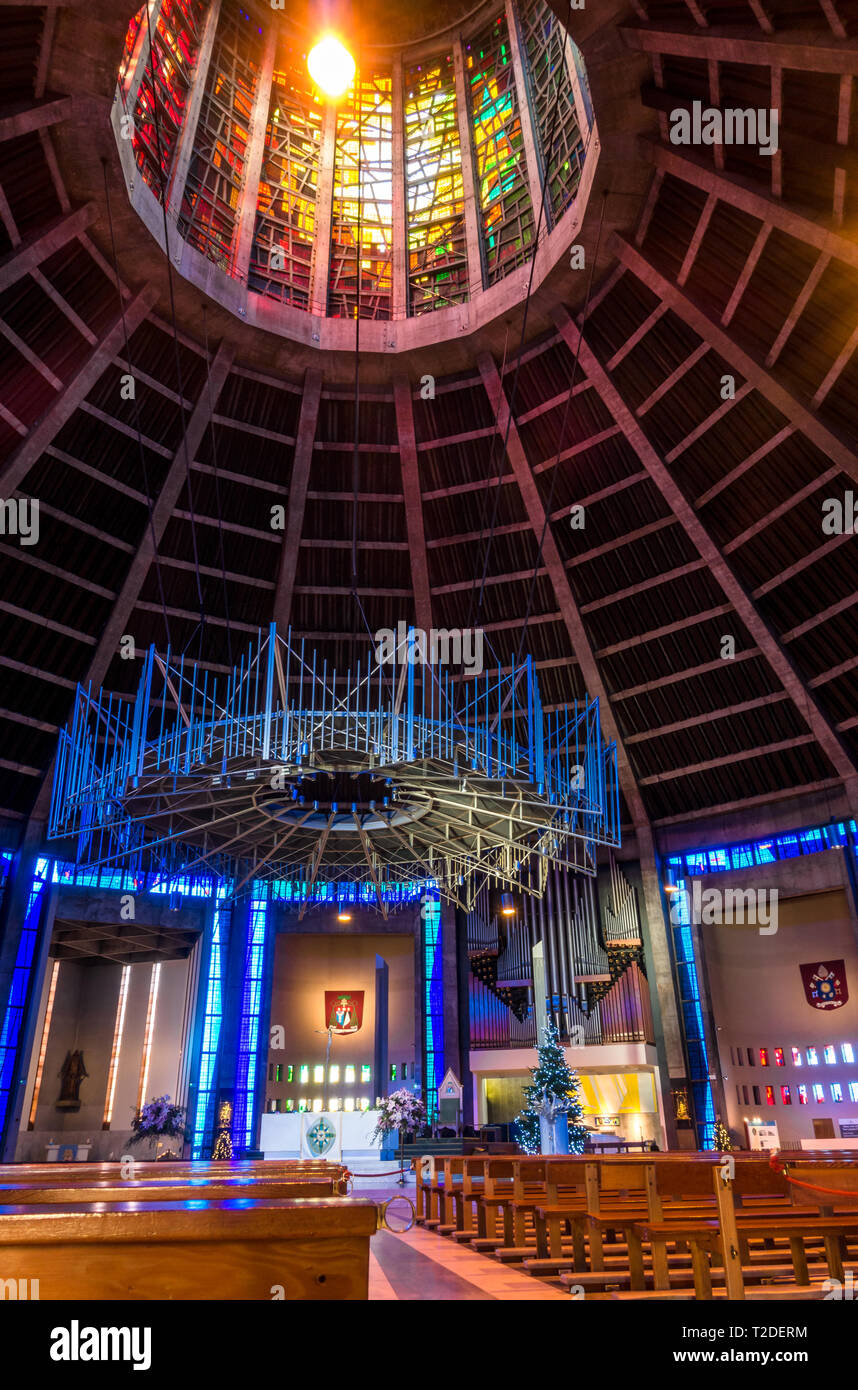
(553, 1091)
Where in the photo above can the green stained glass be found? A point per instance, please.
(363, 203)
(553, 102)
(502, 186)
(281, 258)
(434, 188)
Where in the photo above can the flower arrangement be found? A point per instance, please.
(401, 1111)
(158, 1120)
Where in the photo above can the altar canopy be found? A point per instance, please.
(398, 770)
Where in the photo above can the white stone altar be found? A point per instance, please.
(284, 1136)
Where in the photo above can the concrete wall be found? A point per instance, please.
(500, 1075)
(84, 1017)
(759, 1000)
(305, 966)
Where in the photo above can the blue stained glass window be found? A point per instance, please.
(692, 1017)
(433, 1000)
(16, 1001)
(203, 1119)
(248, 1032)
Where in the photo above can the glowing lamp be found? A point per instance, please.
(331, 66)
(507, 905)
(344, 916)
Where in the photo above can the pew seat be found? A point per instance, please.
(704, 1238)
(762, 1293)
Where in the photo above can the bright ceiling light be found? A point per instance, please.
(344, 916)
(331, 66)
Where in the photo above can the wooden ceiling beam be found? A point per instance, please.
(808, 710)
(741, 193)
(708, 716)
(42, 434)
(24, 118)
(724, 808)
(301, 465)
(555, 568)
(747, 366)
(414, 521)
(29, 254)
(727, 760)
(807, 51)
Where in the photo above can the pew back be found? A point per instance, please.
(222, 1250)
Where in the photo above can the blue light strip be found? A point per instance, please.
(16, 1002)
(433, 1001)
(204, 1118)
(248, 1034)
(748, 853)
(744, 854)
(203, 885)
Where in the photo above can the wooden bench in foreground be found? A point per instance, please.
(217, 1250)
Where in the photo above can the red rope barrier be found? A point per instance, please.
(776, 1163)
(386, 1173)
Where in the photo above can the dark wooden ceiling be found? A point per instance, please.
(703, 515)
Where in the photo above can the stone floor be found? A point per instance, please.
(419, 1265)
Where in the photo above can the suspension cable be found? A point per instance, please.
(566, 412)
(176, 352)
(514, 392)
(143, 467)
(217, 485)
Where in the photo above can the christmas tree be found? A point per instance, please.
(553, 1091)
(723, 1144)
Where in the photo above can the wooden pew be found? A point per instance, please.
(442, 1180)
(619, 1193)
(467, 1195)
(450, 1177)
(200, 1180)
(9, 1172)
(226, 1250)
(167, 1190)
(725, 1235)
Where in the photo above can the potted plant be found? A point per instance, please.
(157, 1121)
(399, 1113)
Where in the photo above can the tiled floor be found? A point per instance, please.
(418, 1264)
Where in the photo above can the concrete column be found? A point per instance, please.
(710, 1036)
(463, 973)
(192, 1060)
(231, 993)
(187, 135)
(400, 207)
(473, 236)
(529, 140)
(264, 1027)
(659, 962)
(850, 878)
(14, 904)
(382, 1027)
(324, 213)
(246, 221)
(450, 986)
(419, 1013)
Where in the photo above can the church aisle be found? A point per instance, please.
(419, 1265)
